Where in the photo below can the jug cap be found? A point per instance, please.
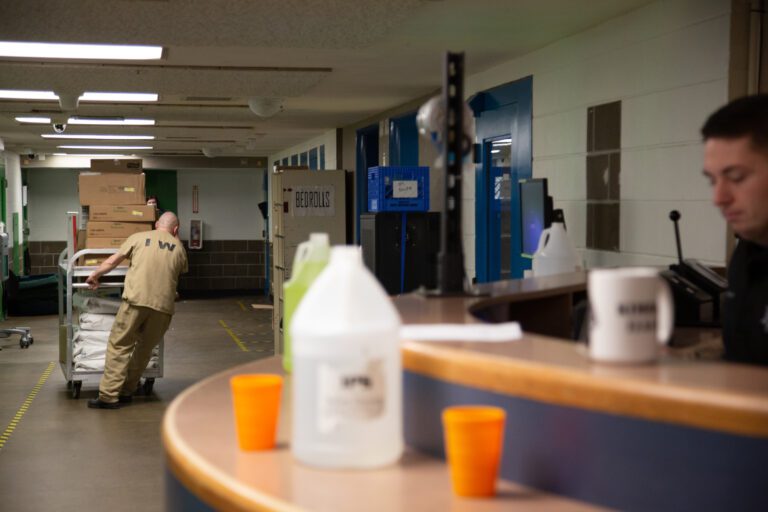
(347, 254)
(319, 238)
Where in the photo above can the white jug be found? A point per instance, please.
(347, 375)
(555, 253)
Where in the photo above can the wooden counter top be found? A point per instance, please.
(686, 432)
(682, 388)
(202, 454)
(415, 308)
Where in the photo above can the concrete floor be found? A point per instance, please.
(61, 456)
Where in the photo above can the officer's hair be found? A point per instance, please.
(747, 116)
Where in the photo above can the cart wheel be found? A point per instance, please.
(25, 341)
(147, 387)
(76, 385)
(31, 340)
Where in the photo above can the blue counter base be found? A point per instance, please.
(608, 460)
(180, 499)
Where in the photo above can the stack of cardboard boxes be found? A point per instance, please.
(113, 195)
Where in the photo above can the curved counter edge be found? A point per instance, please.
(203, 480)
(706, 409)
(206, 470)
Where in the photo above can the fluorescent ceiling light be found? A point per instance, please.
(34, 120)
(116, 121)
(96, 137)
(88, 96)
(8, 94)
(105, 147)
(118, 96)
(495, 151)
(502, 142)
(80, 51)
(94, 121)
(92, 155)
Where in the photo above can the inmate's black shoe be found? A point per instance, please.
(125, 399)
(96, 403)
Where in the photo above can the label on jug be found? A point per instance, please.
(350, 393)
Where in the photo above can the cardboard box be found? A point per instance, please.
(122, 213)
(103, 243)
(116, 229)
(80, 242)
(94, 260)
(132, 165)
(111, 189)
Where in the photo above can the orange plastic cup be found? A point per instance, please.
(474, 436)
(256, 400)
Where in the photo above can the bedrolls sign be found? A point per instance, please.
(315, 201)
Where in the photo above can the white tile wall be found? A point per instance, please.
(670, 116)
(563, 133)
(575, 213)
(678, 168)
(668, 64)
(646, 229)
(566, 175)
(52, 193)
(227, 202)
(668, 61)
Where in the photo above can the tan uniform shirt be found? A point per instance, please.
(157, 259)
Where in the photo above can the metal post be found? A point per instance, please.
(450, 260)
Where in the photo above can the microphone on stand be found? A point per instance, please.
(674, 216)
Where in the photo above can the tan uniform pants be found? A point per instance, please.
(136, 331)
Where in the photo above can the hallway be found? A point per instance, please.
(58, 455)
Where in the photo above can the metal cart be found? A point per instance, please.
(71, 278)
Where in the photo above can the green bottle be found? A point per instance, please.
(310, 259)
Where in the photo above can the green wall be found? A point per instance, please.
(163, 185)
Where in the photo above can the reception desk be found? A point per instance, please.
(686, 433)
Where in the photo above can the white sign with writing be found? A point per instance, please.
(405, 189)
(313, 201)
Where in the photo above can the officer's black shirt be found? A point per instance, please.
(745, 321)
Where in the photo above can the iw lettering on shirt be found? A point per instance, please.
(163, 245)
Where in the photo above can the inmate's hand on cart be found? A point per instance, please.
(93, 281)
(105, 268)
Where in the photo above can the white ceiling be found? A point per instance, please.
(335, 62)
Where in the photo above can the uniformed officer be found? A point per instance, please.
(156, 259)
(736, 163)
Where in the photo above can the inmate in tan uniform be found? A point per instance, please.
(157, 258)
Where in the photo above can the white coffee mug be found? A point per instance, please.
(631, 314)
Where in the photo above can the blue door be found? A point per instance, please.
(503, 124)
(367, 155)
(404, 141)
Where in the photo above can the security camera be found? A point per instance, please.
(59, 127)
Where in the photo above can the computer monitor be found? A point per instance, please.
(535, 212)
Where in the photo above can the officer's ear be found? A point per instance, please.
(176, 231)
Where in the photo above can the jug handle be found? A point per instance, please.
(302, 252)
(666, 316)
(543, 239)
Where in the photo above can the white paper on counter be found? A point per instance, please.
(507, 331)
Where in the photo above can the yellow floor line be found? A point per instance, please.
(242, 306)
(234, 337)
(23, 409)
